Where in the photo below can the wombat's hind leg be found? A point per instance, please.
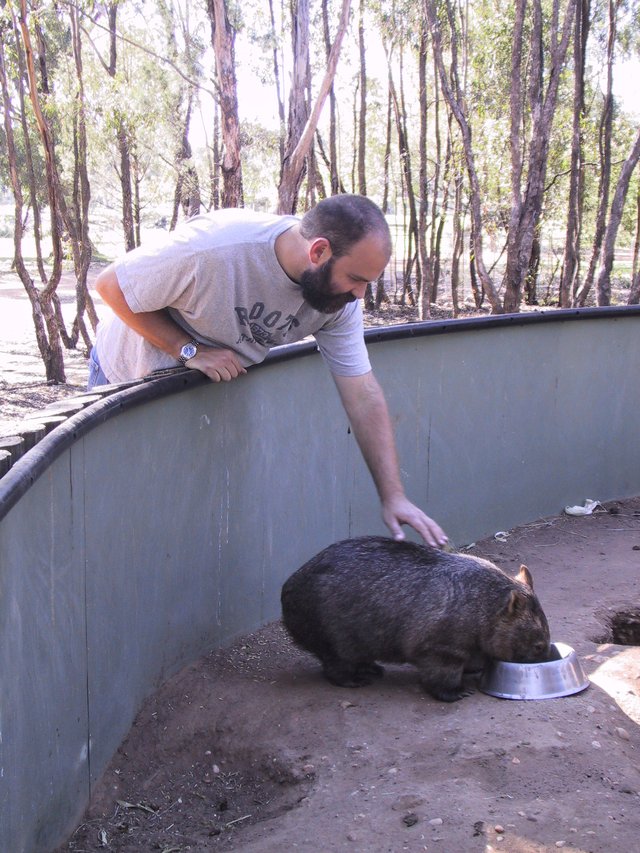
(345, 673)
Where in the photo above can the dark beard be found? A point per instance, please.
(316, 289)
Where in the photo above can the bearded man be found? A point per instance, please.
(227, 286)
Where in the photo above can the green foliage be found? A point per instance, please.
(165, 63)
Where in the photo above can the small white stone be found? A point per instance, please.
(596, 744)
(622, 733)
(436, 821)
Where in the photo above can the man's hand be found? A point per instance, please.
(399, 510)
(220, 365)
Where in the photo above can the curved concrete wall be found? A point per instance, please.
(161, 522)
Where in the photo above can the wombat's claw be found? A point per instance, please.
(451, 695)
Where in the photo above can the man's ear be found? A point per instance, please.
(319, 250)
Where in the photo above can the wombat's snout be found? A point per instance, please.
(537, 652)
(541, 650)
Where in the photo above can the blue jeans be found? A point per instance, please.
(96, 376)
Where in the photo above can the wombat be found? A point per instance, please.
(374, 599)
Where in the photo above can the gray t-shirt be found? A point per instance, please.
(219, 276)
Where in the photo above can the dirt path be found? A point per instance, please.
(250, 749)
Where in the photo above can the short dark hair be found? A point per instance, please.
(344, 220)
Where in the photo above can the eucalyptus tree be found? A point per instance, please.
(571, 261)
(304, 114)
(224, 25)
(605, 139)
(41, 298)
(542, 87)
(184, 49)
(132, 110)
(124, 138)
(603, 282)
(49, 79)
(454, 95)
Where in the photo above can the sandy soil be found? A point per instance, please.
(250, 749)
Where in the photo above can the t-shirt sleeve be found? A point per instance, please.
(341, 342)
(156, 278)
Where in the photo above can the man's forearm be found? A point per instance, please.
(157, 327)
(370, 421)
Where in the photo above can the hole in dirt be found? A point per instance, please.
(622, 627)
(176, 806)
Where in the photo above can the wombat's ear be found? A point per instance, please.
(517, 603)
(524, 576)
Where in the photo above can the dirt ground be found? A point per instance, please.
(249, 749)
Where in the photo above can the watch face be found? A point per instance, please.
(188, 351)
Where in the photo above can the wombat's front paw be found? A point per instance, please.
(450, 694)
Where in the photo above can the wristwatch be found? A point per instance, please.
(188, 351)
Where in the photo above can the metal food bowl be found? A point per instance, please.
(561, 675)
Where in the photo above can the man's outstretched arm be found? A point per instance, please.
(366, 408)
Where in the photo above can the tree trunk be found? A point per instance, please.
(453, 95)
(404, 154)
(426, 291)
(122, 138)
(187, 192)
(291, 179)
(458, 247)
(299, 142)
(634, 292)
(636, 242)
(440, 195)
(332, 163)
(42, 308)
(603, 284)
(78, 218)
(604, 144)
(362, 112)
(527, 208)
(276, 74)
(223, 40)
(569, 281)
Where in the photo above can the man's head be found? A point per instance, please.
(349, 246)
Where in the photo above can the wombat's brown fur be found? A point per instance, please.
(374, 599)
